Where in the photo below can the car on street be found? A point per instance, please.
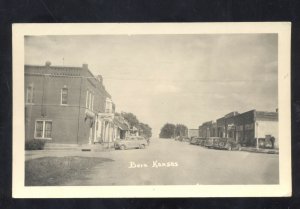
(131, 142)
(182, 139)
(201, 141)
(228, 144)
(186, 139)
(209, 142)
(265, 143)
(195, 141)
(216, 142)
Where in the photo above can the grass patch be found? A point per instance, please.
(53, 171)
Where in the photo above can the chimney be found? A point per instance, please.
(100, 79)
(85, 66)
(48, 63)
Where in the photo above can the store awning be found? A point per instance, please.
(89, 114)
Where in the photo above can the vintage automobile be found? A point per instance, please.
(195, 141)
(201, 141)
(209, 142)
(186, 139)
(131, 142)
(228, 144)
(182, 139)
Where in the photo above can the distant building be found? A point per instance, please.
(65, 105)
(193, 133)
(208, 129)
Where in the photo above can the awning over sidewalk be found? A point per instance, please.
(89, 114)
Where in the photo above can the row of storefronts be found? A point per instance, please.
(69, 105)
(247, 128)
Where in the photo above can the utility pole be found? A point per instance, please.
(257, 145)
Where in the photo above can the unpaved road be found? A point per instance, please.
(184, 164)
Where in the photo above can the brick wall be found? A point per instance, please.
(70, 123)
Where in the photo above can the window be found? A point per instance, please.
(64, 96)
(108, 105)
(29, 94)
(92, 102)
(87, 99)
(43, 129)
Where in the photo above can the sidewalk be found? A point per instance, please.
(260, 150)
(76, 147)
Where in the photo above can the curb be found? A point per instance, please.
(265, 151)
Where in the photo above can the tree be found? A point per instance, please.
(181, 130)
(144, 129)
(167, 131)
(131, 118)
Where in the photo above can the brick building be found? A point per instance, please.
(246, 128)
(207, 129)
(62, 104)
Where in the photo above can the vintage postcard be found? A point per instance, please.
(151, 110)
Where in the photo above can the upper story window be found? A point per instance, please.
(92, 108)
(30, 94)
(108, 106)
(64, 95)
(89, 101)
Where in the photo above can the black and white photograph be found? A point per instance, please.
(145, 110)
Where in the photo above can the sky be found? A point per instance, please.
(186, 79)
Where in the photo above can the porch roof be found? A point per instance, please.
(121, 125)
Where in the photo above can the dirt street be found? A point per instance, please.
(169, 162)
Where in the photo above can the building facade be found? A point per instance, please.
(208, 129)
(193, 133)
(256, 125)
(246, 128)
(62, 104)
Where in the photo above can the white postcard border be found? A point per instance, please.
(284, 77)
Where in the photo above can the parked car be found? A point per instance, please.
(131, 142)
(201, 141)
(185, 139)
(264, 143)
(195, 141)
(209, 142)
(177, 138)
(268, 144)
(216, 142)
(228, 144)
(182, 139)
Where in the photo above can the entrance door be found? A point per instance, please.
(91, 134)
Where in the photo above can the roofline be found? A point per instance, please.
(56, 66)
